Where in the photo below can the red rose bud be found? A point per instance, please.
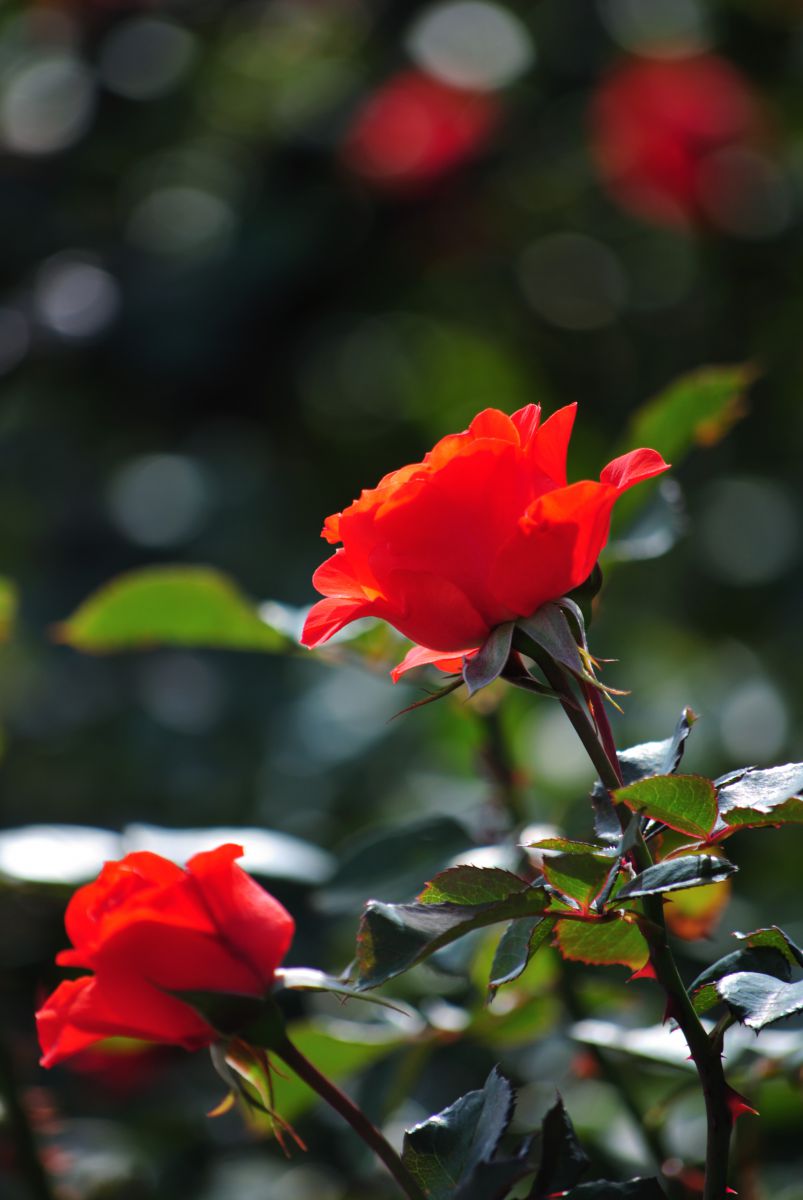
(414, 129)
(657, 125)
(484, 530)
(147, 929)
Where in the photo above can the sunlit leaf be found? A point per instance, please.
(758, 1000)
(471, 885)
(759, 791)
(687, 803)
(788, 813)
(602, 942)
(765, 960)
(775, 937)
(578, 877)
(169, 606)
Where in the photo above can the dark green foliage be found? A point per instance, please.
(443, 1152)
(692, 870)
(394, 937)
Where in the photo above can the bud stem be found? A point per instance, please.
(354, 1116)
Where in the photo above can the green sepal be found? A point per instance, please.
(489, 661)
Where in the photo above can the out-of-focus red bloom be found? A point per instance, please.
(414, 129)
(656, 122)
(147, 928)
(483, 531)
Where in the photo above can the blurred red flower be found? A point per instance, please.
(147, 928)
(655, 123)
(483, 531)
(414, 129)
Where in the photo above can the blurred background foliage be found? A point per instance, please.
(257, 253)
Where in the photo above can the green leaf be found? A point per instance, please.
(169, 606)
(759, 1000)
(687, 803)
(394, 937)
(568, 846)
(788, 813)
(691, 870)
(760, 791)
(634, 1189)
(392, 862)
(578, 877)
(696, 409)
(638, 762)
(517, 945)
(563, 1159)
(442, 1152)
(657, 758)
(775, 937)
(602, 942)
(472, 885)
(764, 960)
(488, 664)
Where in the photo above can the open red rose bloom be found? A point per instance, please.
(147, 928)
(484, 530)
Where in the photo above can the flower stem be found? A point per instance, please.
(350, 1113)
(705, 1054)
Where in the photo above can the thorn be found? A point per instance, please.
(645, 972)
(737, 1105)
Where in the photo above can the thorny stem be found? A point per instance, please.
(349, 1111)
(617, 1080)
(705, 1054)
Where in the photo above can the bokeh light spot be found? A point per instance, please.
(573, 281)
(471, 44)
(754, 722)
(145, 58)
(158, 499)
(662, 28)
(748, 531)
(75, 297)
(182, 220)
(47, 105)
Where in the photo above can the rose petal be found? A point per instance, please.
(421, 656)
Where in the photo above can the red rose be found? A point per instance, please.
(656, 124)
(147, 928)
(484, 530)
(414, 129)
